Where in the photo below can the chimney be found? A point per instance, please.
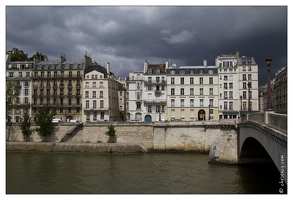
(108, 68)
(62, 58)
(167, 64)
(205, 63)
(145, 66)
(237, 54)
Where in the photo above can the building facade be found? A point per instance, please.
(20, 72)
(59, 83)
(280, 91)
(192, 92)
(100, 95)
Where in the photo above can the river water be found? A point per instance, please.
(149, 173)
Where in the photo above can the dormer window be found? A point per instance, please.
(150, 71)
(158, 71)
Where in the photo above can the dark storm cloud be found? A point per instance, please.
(125, 36)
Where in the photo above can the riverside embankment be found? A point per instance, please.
(219, 136)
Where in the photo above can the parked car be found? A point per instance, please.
(74, 121)
(134, 120)
(102, 120)
(56, 120)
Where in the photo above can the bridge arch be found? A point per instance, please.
(260, 143)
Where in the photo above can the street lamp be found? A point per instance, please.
(249, 86)
(269, 103)
(209, 112)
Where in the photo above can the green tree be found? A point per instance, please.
(43, 120)
(39, 56)
(18, 57)
(111, 130)
(12, 91)
(25, 126)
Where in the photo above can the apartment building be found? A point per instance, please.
(59, 83)
(134, 104)
(192, 92)
(238, 85)
(21, 73)
(122, 100)
(100, 95)
(280, 91)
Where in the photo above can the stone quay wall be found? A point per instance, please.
(216, 138)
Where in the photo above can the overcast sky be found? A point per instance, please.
(126, 36)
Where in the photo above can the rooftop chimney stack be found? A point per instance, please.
(145, 66)
(205, 63)
(108, 68)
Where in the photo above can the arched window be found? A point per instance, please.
(150, 71)
(158, 71)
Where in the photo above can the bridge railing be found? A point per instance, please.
(278, 120)
(270, 118)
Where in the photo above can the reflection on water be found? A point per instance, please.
(152, 173)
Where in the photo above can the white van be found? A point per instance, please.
(56, 120)
(74, 121)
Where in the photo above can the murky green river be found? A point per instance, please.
(151, 173)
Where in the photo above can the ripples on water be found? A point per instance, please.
(152, 173)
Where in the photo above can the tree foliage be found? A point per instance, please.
(12, 91)
(25, 126)
(39, 56)
(111, 130)
(43, 120)
(18, 57)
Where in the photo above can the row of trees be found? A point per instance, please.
(43, 120)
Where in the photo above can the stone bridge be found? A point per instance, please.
(262, 138)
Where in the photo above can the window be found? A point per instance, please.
(249, 76)
(78, 73)
(101, 94)
(244, 77)
(94, 104)
(201, 102)
(211, 80)
(87, 104)
(225, 86)
(26, 83)
(158, 108)
(172, 72)
(157, 79)
(149, 109)
(191, 80)
(101, 103)
(88, 116)
(201, 71)
(230, 105)
(191, 91)
(191, 102)
(211, 91)
(27, 74)
(230, 77)
(94, 84)
(10, 74)
(210, 71)
(244, 106)
(172, 91)
(244, 68)
(191, 112)
(181, 102)
(211, 102)
(225, 95)
(149, 79)
(225, 78)
(182, 71)
(69, 102)
(172, 112)
(225, 105)
(230, 94)
(101, 84)
(158, 71)
(149, 87)
(244, 94)
(181, 80)
(200, 91)
(42, 74)
(150, 71)
(200, 80)
(86, 84)
(95, 116)
(19, 74)
(181, 91)
(138, 106)
(244, 85)
(163, 109)
(192, 71)
(249, 68)
(86, 94)
(93, 76)
(172, 81)
(94, 94)
(172, 102)
(182, 113)
(230, 85)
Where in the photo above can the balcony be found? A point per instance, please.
(69, 86)
(96, 108)
(158, 91)
(155, 101)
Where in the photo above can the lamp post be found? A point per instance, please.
(269, 103)
(249, 85)
(240, 106)
(209, 112)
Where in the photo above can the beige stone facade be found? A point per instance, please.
(59, 83)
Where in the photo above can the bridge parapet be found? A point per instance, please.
(269, 118)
